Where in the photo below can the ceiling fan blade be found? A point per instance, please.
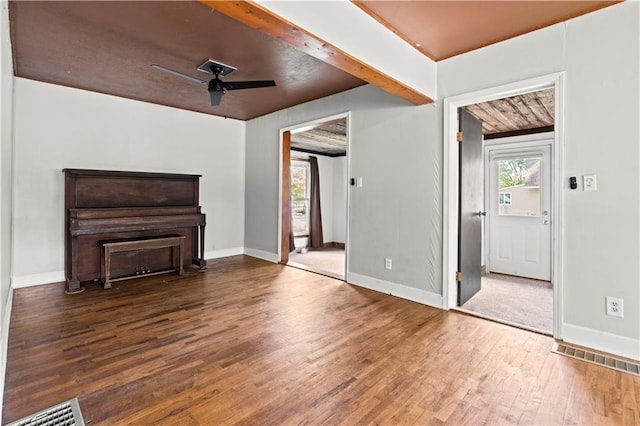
(178, 74)
(216, 97)
(236, 85)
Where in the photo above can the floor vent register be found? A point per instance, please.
(618, 364)
(64, 414)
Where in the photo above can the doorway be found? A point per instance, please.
(516, 266)
(452, 253)
(314, 202)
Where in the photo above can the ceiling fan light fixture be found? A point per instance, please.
(216, 86)
(215, 68)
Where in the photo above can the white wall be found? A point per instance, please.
(6, 154)
(599, 53)
(325, 172)
(397, 212)
(6, 151)
(339, 211)
(58, 127)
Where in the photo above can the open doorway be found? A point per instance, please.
(516, 282)
(512, 225)
(314, 231)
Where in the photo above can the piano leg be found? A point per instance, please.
(201, 262)
(73, 286)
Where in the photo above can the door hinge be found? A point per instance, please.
(459, 277)
(459, 136)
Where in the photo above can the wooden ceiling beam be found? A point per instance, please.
(260, 18)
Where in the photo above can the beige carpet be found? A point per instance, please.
(328, 261)
(514, 299)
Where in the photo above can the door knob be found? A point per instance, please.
(546, 222)
(481, 213)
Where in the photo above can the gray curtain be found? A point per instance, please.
(315, 217)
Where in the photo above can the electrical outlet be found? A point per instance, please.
(387, 263)
(615, 306)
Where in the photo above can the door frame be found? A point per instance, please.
(450, 184)
(527, 144)
(301, 127)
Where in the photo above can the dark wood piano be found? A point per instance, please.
(104, 206)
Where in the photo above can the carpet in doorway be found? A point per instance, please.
(514, 299)
(328, 259)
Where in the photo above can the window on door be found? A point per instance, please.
(300, 179)
(519, 186)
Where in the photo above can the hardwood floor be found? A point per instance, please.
(252, 342)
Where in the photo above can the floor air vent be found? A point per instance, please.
(64, 414)
(597, 358)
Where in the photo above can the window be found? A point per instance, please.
(519, 186)
(505, 198)
(300, 178)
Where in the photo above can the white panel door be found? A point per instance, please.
(519, 212)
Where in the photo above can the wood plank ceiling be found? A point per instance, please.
(328, 139)
(527, 113)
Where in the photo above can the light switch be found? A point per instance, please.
(359, 182)
(589, 182)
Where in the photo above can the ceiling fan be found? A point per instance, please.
(216, 87)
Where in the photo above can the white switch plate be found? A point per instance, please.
(387, 263)
(589, 182)
(359, 182)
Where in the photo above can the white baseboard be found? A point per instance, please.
(4, 343)
(58, 276)
(602, 341)
(398, 290)
(217, 254)
(37, 279)
(264, 255)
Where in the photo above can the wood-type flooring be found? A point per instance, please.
(251, 342)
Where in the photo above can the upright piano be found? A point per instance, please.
(105, 205)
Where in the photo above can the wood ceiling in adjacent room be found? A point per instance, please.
(530, 112)
(328, 139)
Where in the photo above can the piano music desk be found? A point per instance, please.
(111, 247)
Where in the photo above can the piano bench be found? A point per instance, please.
(109, 248)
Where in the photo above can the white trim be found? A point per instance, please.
(4, 344)
(58, 276)
(313, 123)
(402, 291)
(217, 254)
(522, 140)
(602, 341)
(450, 183)
(264, 255)
(347, 230)
(37, 279)
(296, 128)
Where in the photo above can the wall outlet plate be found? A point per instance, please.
(615, 306)
(387, 263)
